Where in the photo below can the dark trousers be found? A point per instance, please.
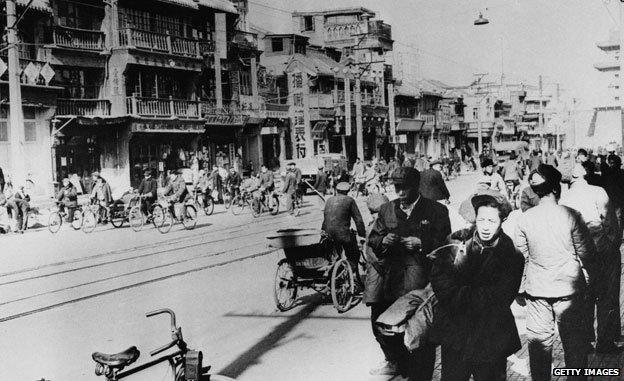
(417, 365)
(454, 369)
(19, 211)
(146, 205)
(607, 293)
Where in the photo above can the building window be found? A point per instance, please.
(475, 113)
(308, 23)
(30, 125)
(277, 44)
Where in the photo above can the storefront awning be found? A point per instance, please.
(318, 130)
(40, 5)
(410, 125)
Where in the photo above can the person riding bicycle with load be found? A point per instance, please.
(101, 194)
(68, 198)
(176, 190)
(148, 190)
(339, 211)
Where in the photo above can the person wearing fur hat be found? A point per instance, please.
(560, 266)
(474, 323)
(406, 230)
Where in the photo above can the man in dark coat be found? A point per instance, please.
(406, 230)
(432, 184)
(320, 184)
(68, 197)
(339, 211)
(148, 189)
(473, 322)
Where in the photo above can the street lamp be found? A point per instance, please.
(481, 20)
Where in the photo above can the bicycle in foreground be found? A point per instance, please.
(58, 214)
(265, 201)
(186, 364)
(186, 214)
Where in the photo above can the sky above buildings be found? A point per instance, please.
(554, 38)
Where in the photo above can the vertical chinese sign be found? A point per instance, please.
(300, 114)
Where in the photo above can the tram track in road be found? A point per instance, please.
(118, 252)
(176, 268)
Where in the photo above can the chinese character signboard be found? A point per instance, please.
(300, 114)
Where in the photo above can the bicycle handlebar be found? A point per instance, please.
(164, 311)
(176, 332)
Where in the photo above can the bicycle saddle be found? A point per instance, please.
(117, 360)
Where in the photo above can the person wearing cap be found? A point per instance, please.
(473, 322)
(432, 184)
(176, 190)
(593, 203)
(148, 188)
(496, 181)
(68, 197)
(337, 215)
(320, 182)
(406, 230)
(560, 264)
(267, 182)
(289, 187)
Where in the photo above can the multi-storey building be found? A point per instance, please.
(142, 84)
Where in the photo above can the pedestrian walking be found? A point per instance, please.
(432, 184)
(593, 204)
(320, 183)
(560, 259)
(473, 322)
(406, 230)
(496, 180)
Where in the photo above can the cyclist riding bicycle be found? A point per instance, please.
(67, 197)
(267, 184)
(512, 171)
(368, 179)
(176, 191)
(101, 195)
(148, 192)
(233, 182)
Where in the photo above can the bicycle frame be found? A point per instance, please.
(171, 358)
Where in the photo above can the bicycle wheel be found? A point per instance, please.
(78, 218)
(256, 207)
(227, 200)
(158, 215)
(238, 204)
(274, 204)
(296, 207)
(342, 285)
(208, 205)
(189, 219)
(117, 218)
(89, 221)
(167, 222)
(54, 222)
(135, 218)
(285, 290)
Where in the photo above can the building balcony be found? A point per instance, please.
(163, 107)
(83, 107)
(81, 39)
(245, 40)
(380, 29)
(164, 43)
(607, 66)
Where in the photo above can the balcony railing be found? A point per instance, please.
(163, 107)
(164, 43)
(245, 39)
(83, 107)
(78, 38)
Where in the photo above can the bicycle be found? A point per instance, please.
(265, 201)
(239, 202)
(137, 219)
(203, 200)
(188, 219)
(93, 214)
(186, 364)
(58, 214)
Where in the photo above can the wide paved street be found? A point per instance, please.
(64, 296)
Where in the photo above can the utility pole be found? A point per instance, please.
(347, 100)
(359, 133)
(16, 119)
(391, 115)
(621, 71)
(541, 116)
(573, 132)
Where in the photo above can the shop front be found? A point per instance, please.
(163, 146)
(411, 128)
(223, 142)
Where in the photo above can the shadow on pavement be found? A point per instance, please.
(268, 342)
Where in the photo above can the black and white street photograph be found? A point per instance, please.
(311, 190)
